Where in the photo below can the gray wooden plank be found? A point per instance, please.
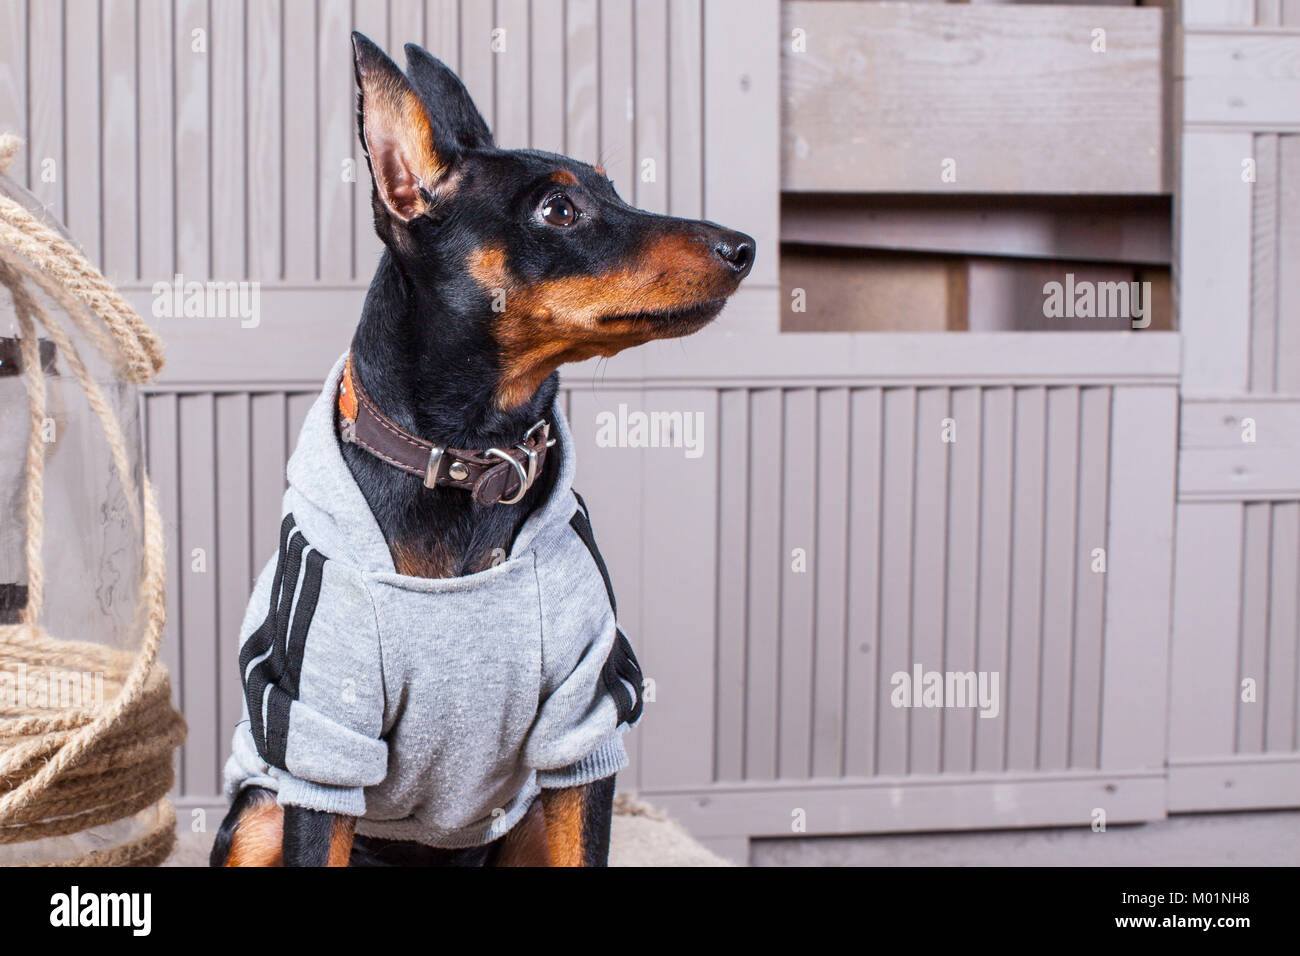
(679, 503)
(81, 123)
(1287, 359)
(1283, 628)
(301, 145)
(1264, 273)
(830, 576)
(265, 141)
(617, 108)
(1253, 647)
(1240, 78)
(164, 472)
(235, 566)
(1089, 577)
(442, 30)
(732, 579)
(742, 106)
(862, 685)
(513, 75)
(1060, 556)
(13, 78)
(998, 435)
(685, 145)
(1203, 666)
(45, 98)
(477, 61)
(1022, 679)
(898, 466)
(1214, 261)
(1219, 12)
(267, 440)
(120, 223)
(336, 198)
(766, 563)
(929, 582)
(962, 573)
(193, 235)
(650, 167)
(228, 143)
(798, 531)
(546, 88)
(582, 80)
(405, 25)
(198, 557)
(1140, 540)
(371, 19)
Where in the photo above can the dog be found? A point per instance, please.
(499, 265)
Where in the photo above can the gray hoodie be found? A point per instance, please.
(432, 709)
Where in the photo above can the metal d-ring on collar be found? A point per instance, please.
(527, 478)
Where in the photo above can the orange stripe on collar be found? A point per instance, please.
(348, 393)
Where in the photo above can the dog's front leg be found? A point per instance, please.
(577, 823)
(316, 838)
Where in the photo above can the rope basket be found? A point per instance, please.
(66, 769)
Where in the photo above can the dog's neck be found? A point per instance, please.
(433, 370)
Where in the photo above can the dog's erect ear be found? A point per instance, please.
(455, 118)
(406, 162)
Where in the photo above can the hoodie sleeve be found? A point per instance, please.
(313, 681)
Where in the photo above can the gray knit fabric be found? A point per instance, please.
(433, 709)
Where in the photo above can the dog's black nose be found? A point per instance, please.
(737, 250)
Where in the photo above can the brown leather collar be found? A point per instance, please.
(491, 476)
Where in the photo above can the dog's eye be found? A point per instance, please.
(559, 210)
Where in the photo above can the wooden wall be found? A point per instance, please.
(1235, 681)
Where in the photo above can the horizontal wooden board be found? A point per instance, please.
(1242, 79)
(1015, 98)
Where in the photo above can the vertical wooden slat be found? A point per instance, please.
(1022, 680)
(1253, 660)
(679, 502)
(582, 80)
(160, 426)
(371, 19)
(13, 79)
(962, 573)
(766, 562)
(1264, 278)
(830, 570)
(732, 572)
(198, 558)
(81, 123)
(1060, 554)
(742, 106)
(685, 145)
(477, 61)
(896, 535)
(616, 105)
(929, 583)
(45, 105)
(235, 567)
(1214, 261)
(862, 684)
(1288, 251)
(996, 483)
(546, 86)
(1089, 584)
(156, 54)
(337, 198)
(1283, 628)
(649, 186)
(193, 137)
(513, 76)
(267, 438)
(121, 202)
(301, 169)
(1143, 464)
(298, 404)
(405, 25)
(228, 145)
(798, 516)
(265, 141)
(442, 30)
(1203, 686)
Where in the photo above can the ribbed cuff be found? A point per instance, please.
(348, 801)
(605, 761)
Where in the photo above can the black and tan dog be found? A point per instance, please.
(583, 274)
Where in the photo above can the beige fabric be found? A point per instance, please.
(63, 770)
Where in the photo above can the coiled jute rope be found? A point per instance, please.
(64, 769)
